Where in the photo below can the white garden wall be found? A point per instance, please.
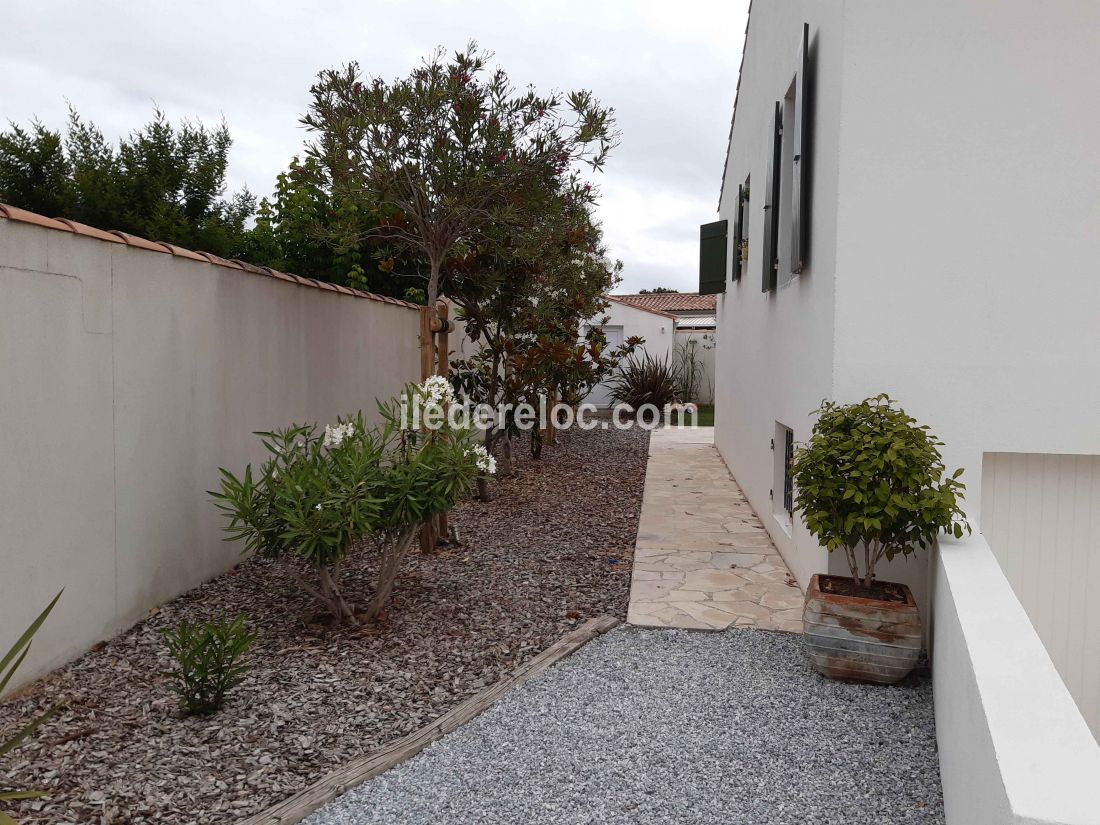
(1041, 517)
(705, 347)
(1013, 747)
(128, 377)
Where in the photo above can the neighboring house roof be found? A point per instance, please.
(698, 322)
(13, 213)
(618, 299)
(671, 301)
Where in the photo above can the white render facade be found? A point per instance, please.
(621, 321)
(954, 233)
(952, 255)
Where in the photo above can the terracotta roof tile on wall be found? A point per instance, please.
(671, 301)
(13, 213)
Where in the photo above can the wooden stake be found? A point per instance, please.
(355, 773)
(551, 421)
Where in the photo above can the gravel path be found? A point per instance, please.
(673, 726)
(552, 549)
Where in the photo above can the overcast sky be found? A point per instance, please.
(669, 70)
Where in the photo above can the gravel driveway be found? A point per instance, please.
(673, 726)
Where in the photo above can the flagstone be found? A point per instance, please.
(703, 559)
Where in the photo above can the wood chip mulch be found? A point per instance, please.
(552, 549)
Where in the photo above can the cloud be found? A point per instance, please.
(670, 71)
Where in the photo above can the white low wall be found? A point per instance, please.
(1013, 746)
(128, 377)
(704, 351)
(1041, 517)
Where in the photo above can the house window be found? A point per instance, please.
(769, 259)
(783, 489)
(788, 476)
(784, 270)
(786, 195)
(741, 231)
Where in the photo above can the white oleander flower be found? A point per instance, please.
(437, 390)
(335, 435)
(484, 461)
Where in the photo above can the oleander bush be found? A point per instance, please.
(322, 495)
(208, 662)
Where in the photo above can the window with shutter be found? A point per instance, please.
(800, 180)
(712, 258)
(770, 258)
(740, 232)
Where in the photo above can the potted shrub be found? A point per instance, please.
(871, 482)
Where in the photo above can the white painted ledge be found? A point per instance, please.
(1013, 746)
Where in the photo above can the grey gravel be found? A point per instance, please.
(672, 726)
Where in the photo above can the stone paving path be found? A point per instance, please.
(702, 559)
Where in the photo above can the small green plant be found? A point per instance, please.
(8, 665)
(208, 665)
(872, 479)
(644, 380)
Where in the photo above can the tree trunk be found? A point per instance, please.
(338, 605)
(853, 565)
(506, 467)
(433, 281)
(869, 566)
(483, 493)
(393, 553)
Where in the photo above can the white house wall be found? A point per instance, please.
(955, 204)
(657, 330)
(775, 351)
(969, 222)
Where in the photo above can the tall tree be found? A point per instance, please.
(449, 150)
(162, 181)
(524, 299)
(307, 229)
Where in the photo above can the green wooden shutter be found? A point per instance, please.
(738, 232)
(712, 258)
(770, 258)
(800, 180)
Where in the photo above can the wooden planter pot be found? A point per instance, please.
(861, 639)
